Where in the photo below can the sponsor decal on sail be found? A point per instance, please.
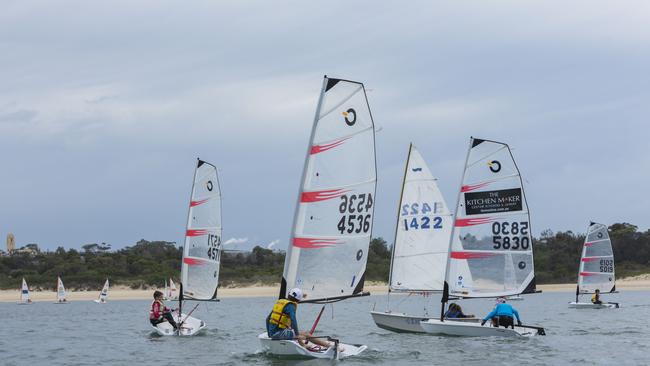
(504, 200)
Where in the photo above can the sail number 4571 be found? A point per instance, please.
(357, 213)
(510, 235)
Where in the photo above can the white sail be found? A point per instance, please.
(491, 251)
(24, 292)
(103, 295)
(333, 221)
(172, 290)
(60, 290)
(202, 249)
(597, 262)
(423, 229)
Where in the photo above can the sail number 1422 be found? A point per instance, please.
(510, 235)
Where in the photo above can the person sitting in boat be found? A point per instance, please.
(455, 312)
(159, 312)
(502, 315)
(595, 299)
(282, 323)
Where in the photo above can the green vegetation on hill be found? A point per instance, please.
(149, 263)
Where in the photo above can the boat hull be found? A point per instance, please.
(588, 305)
(465, 329)
(292, 349)
(404, 323)
(191, 326)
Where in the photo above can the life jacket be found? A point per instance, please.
(278, 317)
(152, 312)
(595, 298)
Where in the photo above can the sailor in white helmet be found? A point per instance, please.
(282, 323)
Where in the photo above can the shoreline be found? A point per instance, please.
(639, 283)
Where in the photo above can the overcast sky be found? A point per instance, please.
(104, 107)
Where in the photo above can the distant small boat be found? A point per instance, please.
(24, 295)
(172, 294)
(103, 295)
(60, 292)
(596, 268)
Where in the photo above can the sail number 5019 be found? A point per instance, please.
(510, 235)
(357, 213)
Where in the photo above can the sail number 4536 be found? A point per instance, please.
(510, 235)
(356, 210)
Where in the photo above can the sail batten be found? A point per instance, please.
(327, 253)
(422, 232)
(202, 248)
(491, 248)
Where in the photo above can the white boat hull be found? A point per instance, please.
(287, 348)
(401, 322)
(99, 301)
(515, 298)
(191, 326)
(465, 329)
(24, 303)
(588, 305)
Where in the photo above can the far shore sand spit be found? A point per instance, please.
(638, 283)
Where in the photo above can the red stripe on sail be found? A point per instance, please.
(471, 187)
(316, 196)
(315, 243)
(587, 274)
(320, 148)
(589, 243)
(472, 222)
(195, 261)
(471, 255)
(199, 202)
(589, 259)
(196, 232)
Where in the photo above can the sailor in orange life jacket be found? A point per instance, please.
(282, 323)
(159, 312)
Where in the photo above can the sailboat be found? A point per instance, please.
(24, 294)
(166, 292)
(491, 248)
(596, 268)
(333, 219)
(172, 295)
(60, 292)
(422, 235)
(103, 295)
(201, 251)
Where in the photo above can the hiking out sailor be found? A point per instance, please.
(503, 314)
(281, 323)
(595, 299)
(159, 312)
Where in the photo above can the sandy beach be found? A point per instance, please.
(638, 283)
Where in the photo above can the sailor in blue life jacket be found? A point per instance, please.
(502, 315)
(282, 323)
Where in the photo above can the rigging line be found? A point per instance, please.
(489, 155)
(346, 137)
(343, 187)
(323, 115)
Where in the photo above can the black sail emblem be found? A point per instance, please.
(350, 117)
(495, 166)
(208, 185)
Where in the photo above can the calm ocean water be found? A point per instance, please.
(118, 333)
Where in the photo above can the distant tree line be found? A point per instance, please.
(148, 264)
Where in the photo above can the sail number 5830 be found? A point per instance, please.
(510, 235)
(357, 213)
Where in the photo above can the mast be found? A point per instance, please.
(397, 223)
(445, 290)
(292, 253)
